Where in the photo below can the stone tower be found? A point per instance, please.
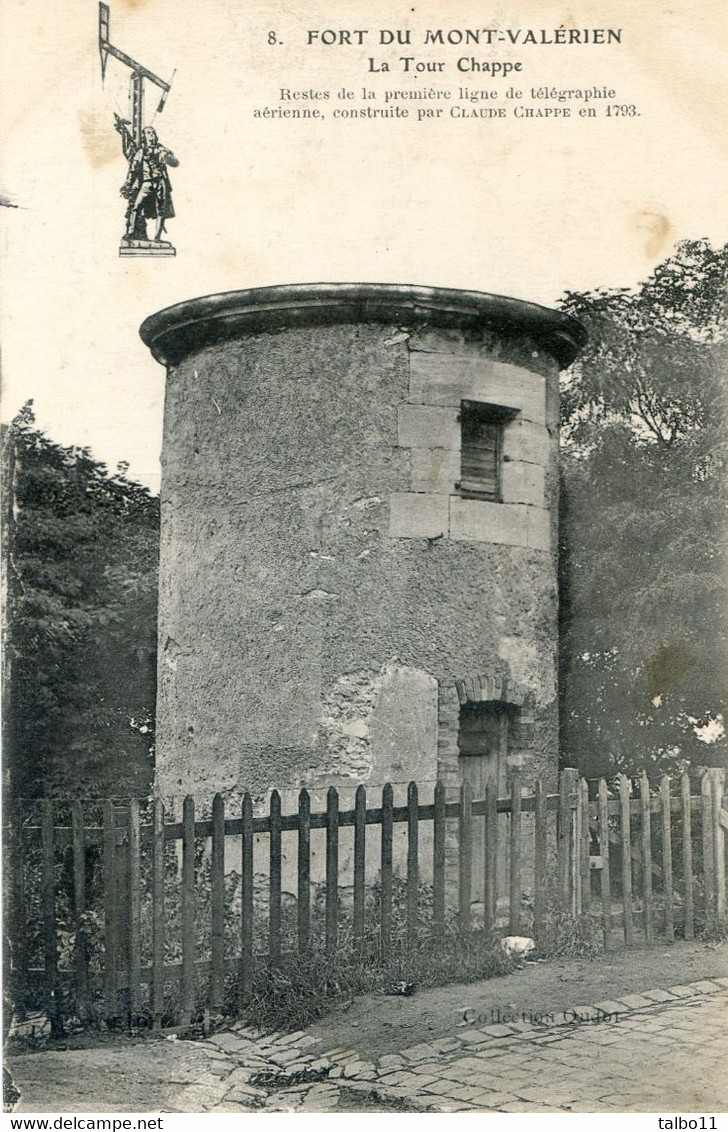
(358, 556)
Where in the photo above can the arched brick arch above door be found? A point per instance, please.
(479, 689)
(486, 688)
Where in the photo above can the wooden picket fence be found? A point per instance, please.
(646, 857)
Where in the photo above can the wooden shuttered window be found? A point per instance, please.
(481, 444)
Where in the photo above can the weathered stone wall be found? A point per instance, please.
(323, 583)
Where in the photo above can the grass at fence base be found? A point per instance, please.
(302, 988)
(714, 932)
(565, 936)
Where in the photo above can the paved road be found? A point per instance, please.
(668, 1057)
(664, 1050)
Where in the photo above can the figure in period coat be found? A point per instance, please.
(147, 186)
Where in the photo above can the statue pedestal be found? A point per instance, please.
(146, 247)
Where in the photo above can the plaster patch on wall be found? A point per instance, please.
(404, 727)
(526, 667)
(346, 711)
(380, 726)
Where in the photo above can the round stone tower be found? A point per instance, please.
(358, 554)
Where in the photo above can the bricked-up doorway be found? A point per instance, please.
(483, 741)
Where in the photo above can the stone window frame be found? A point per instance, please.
(491, 413)
(486, 688)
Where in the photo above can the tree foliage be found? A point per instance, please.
(644, 580)
(81, 581)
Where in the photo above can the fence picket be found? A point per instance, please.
(110, 910)
(576, 874)
(539, 863)
(717, 777)
(687, 857)
(706, 800)
(79, 908)
(360, 833)
(438, 859)
(158, 915)
(188, 910)
(585, 846)
(217, 900)
(332, 868)
(274, 879)
(413, 873)
(667, 858)
(465, 842)
(646, 857)
(246, 901)
(17, 911)
(624, 789)
(491, 854)
(122, 883)
(568, 781)
(135, 912)
(304, 871)
(516, 880)
(386, 876)
(605, 884)
(50, 939)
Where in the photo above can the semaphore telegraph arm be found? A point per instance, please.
(138, 75)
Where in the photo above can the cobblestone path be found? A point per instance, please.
(664, 1051)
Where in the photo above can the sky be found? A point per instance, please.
(527, 207)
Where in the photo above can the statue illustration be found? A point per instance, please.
(147, 187)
